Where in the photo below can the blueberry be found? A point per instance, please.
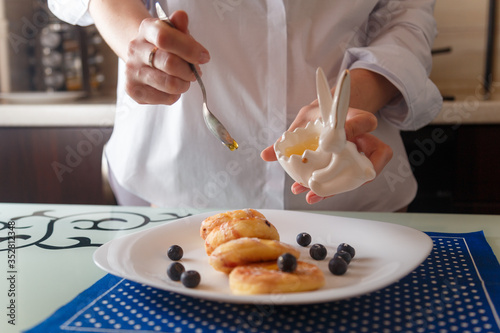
(287, 262)
(348, 248)
(190, 279)
(337, 266)
(344, 255)
(175, 270)
(318, 252)
(303, 239)
(175, 252)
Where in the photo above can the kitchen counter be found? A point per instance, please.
(101, 112)
(469, 111)
(95, 112)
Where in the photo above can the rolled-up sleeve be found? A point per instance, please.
(71, 11)
(397, 44)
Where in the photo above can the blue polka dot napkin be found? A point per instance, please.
(456, 289)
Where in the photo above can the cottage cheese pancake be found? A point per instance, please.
(244, 251)
(221, 228)
(266, 278)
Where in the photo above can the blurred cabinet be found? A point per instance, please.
(53, 165)
(38, 52)
(458, 173)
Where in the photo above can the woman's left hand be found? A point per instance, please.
(358, 125)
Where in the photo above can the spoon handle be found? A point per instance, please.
(198, 79)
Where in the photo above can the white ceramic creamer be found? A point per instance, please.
(319, 156)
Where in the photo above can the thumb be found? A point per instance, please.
(269, 154)
(180, 20)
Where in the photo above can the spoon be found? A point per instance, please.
(213, 124)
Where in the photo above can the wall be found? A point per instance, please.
(462, 25)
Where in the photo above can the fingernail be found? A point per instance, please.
(298, 189)
(204, 57)
(314, 199)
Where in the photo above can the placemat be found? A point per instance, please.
(456, 289)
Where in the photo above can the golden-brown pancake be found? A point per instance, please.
(266, 278)
(221, 228)
(246, 250)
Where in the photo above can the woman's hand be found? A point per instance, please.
(358, 125)
(170, 75)
(370, 91)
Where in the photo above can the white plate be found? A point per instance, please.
(385, 253)
(35, 97)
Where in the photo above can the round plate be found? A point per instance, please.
(385, 253)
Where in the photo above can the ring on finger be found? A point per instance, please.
(152, 57)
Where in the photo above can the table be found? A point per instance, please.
(54, 265)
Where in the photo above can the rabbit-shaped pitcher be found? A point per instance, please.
(319, 156)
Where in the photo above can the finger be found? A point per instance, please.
(359, 122)
(175, 41)
(307, 114)
(137, 75)
(144, 94)
(297, 188)
(180, 20)
(140, 51)
(173, 65)
(312, 198)
(375, 149)
(268, 154)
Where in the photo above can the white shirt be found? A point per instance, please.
(264, 54)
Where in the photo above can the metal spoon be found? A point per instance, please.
(213, 124)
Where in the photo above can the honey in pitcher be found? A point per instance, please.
(299, 149)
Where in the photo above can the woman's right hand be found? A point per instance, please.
(170, 75)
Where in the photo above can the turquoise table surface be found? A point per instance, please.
(52, 262)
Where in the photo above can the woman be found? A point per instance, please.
(258, 60)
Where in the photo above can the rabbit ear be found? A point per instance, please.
(341, 99)
(324, 96)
